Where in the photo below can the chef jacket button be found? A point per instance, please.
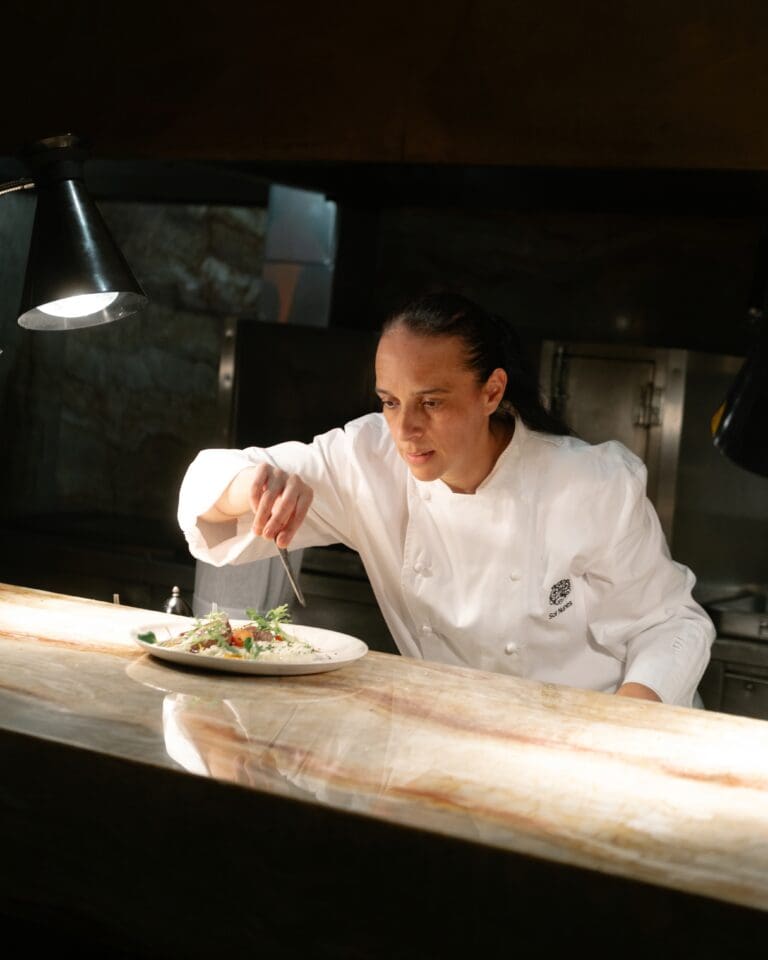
(511, 647)
(425, 628)
(514, 575)
(418, 567)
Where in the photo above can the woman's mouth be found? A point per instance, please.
(418, 458)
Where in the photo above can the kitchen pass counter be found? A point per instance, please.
(340, 808)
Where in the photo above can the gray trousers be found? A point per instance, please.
(262, 585)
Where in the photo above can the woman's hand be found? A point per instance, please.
(278, 500)
(639, 691)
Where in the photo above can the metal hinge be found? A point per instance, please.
(648, 412)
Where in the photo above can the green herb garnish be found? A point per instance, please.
(148, 637)
(270, 621)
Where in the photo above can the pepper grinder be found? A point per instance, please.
(177, 604)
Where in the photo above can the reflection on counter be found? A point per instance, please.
(425, 747)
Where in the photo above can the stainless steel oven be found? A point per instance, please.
(633, 394)
(736, 680)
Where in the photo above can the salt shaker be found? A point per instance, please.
(177, 604)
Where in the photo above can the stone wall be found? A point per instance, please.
(100, 423)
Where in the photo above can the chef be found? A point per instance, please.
(492, 537)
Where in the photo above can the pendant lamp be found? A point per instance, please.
(740, 425)
(76, 275)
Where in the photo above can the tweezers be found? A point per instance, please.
(283, 553)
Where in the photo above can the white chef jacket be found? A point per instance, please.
(556, 568)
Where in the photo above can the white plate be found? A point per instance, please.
(339, 647)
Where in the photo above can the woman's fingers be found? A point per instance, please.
(285, 507)
(259, 478)
(267, 487)
(303, 503)
(280, 503)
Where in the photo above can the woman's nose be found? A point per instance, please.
(410, 423)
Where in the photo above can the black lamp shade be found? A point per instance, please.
(73, 255)
(742, 430)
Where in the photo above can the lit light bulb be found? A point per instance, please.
(81, 306)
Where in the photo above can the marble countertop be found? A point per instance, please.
(672, 797)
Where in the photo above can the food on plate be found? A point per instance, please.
(261, 638)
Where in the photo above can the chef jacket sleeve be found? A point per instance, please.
(641, 606)
(320, 464)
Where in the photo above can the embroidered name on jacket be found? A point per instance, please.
(557, 595)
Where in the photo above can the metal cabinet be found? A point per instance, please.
(628, 393)
(745, 694)
(736, 680)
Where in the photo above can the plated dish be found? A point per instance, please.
(265, 644)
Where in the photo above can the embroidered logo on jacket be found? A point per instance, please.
(557, 595)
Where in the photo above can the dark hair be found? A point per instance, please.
(490, 343)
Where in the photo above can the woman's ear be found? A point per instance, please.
(494, 388)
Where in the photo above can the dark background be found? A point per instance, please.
(595, 172)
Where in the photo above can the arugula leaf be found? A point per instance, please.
(271, 619)
(148, 637)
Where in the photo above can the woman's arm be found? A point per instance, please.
(233, 503)
(639, 691)
(641, 606)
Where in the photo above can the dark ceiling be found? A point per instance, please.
(597, 85)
